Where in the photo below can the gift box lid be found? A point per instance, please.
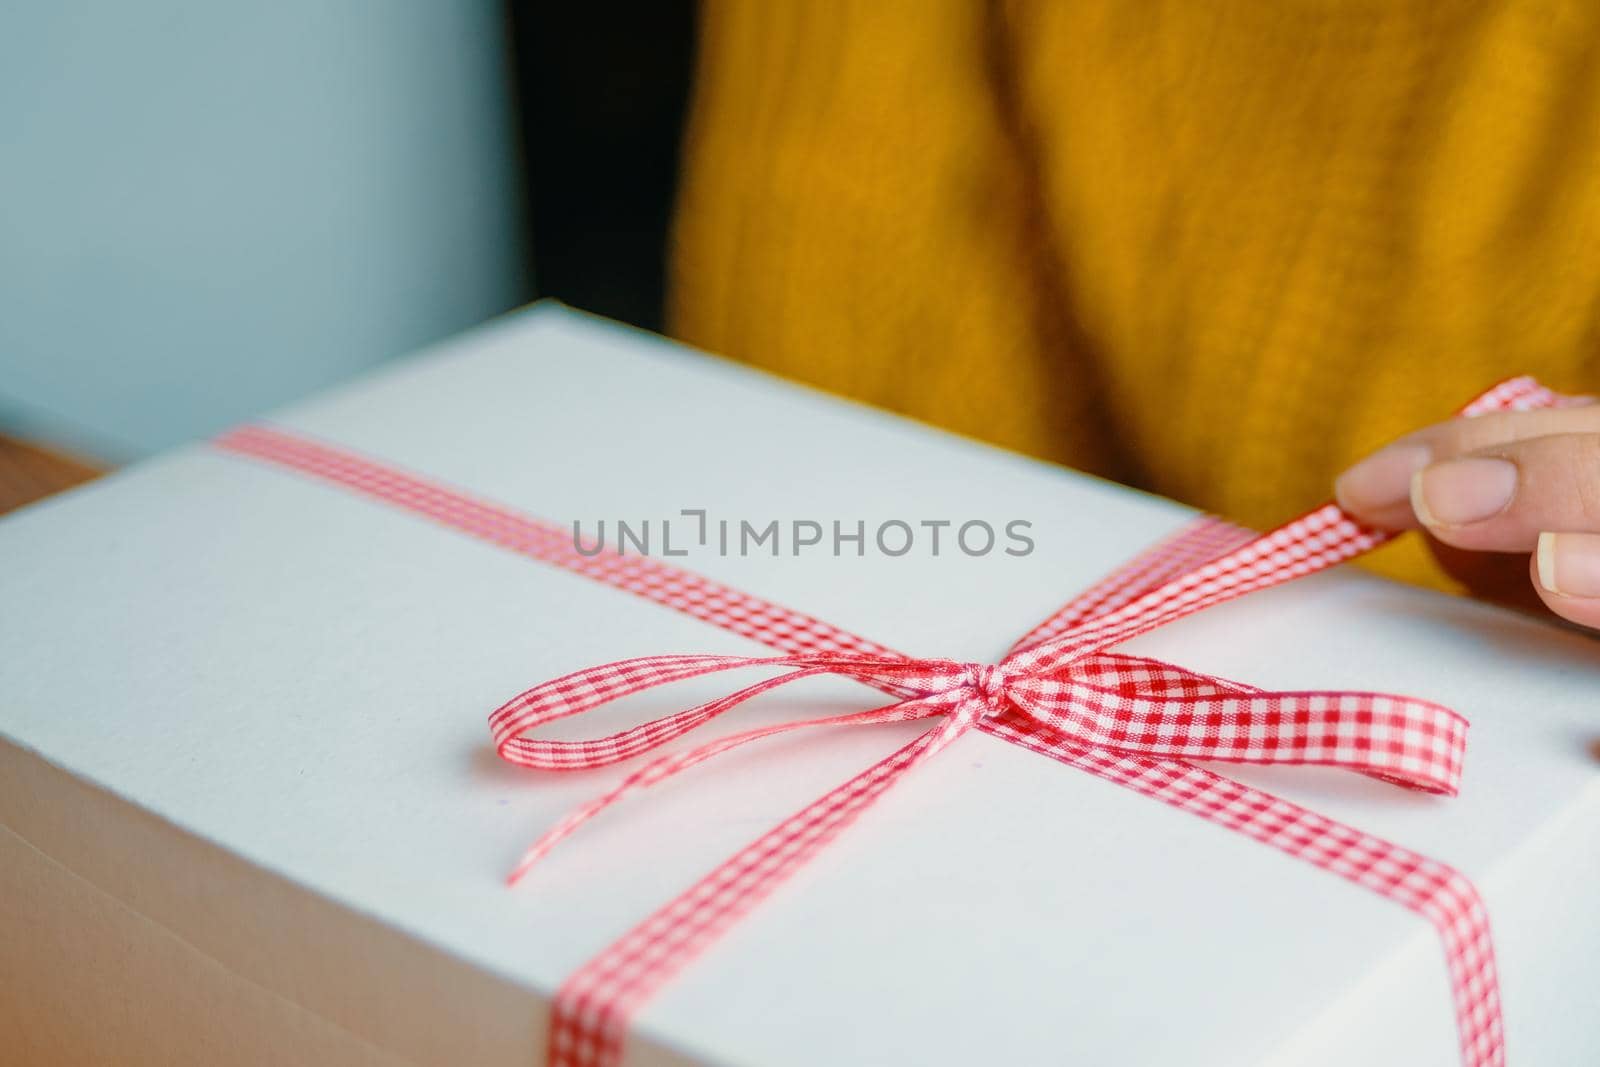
(252, 706)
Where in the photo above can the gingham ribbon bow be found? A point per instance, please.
(1066, 686)
(1060, 691)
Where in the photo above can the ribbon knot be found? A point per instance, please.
(988, 681)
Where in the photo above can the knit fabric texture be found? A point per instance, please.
(1218, 251)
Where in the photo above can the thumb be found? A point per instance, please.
(1566, 574)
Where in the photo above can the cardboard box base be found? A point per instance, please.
(106, 957)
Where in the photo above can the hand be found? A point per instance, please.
(1526, 483)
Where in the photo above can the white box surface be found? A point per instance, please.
(249, 809)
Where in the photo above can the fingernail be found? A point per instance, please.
(1383, 479)
(1461, 491)
(1569, 564)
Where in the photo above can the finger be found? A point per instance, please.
(1378, 489)
(1566, 574)
(1500, 499)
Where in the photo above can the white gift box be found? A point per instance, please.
(250, 813)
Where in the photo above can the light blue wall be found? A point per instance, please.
(208, 208)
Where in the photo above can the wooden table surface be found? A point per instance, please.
(29, 472)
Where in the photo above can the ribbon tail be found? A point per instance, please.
(591, 1009)
(660, 769)
(1194, 545)
(1437, 892)
(1319, 539)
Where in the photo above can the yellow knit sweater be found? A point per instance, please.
(1218, 250)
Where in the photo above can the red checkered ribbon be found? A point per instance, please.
(1059, 691)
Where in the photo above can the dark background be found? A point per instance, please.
(602, 91)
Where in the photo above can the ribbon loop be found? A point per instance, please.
(1400, 740)
(586, 690)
